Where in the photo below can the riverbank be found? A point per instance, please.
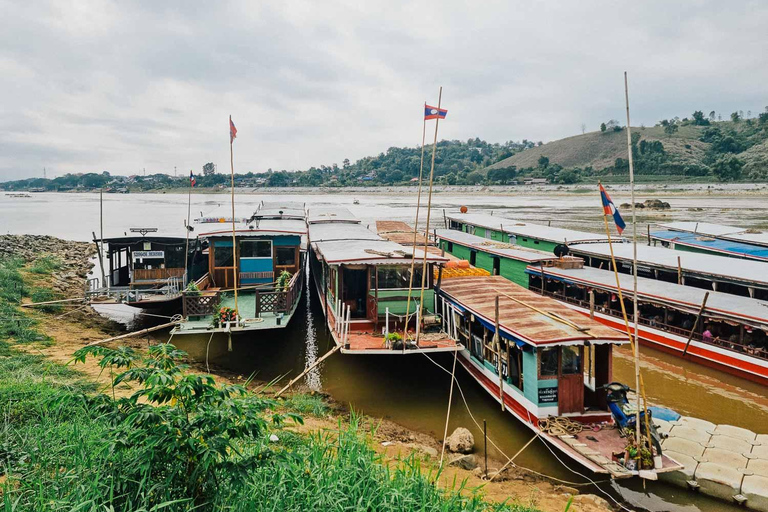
(58, 431)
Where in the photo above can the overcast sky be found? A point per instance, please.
(121, 86)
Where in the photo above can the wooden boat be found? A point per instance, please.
(363, 279)
(268, 265)
(144, 269)
(541, 360)
(668, 311)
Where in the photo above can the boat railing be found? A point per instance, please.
(199, 304)
(734, 346)
(278, 300)
(342, 313)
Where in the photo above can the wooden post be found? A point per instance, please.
(592, 304)
(131, 334)
(497, 337)
(696, 322)
(445, 219)
(679, 271)
(649, 234)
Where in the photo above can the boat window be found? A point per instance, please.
(286, 256)
(548, 362)
(222, 256)
(255, 249)
(571, 362)
(398, 277)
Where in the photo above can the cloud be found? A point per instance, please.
(120, 86)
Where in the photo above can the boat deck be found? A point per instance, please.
(595, 449)
(246, 304)
(363, 338)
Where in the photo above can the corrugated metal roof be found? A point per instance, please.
(400, 232)
(688, 297)
(369, 252)
(320, 214)
(746, 272)
(525, 229)
(483, 244)
(524, 314)
(257, 227)
(719, 245)
(734, 233)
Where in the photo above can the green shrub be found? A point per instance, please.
(304, 403)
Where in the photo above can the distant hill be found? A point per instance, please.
(691, 150)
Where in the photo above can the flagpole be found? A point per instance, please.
(416, 225)
(234, 240)
(634, 257)
(429, 211)
(189, 213)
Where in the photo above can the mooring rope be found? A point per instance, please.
(450, 399)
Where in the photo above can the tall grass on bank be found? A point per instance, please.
(45, 264)
(15, 325)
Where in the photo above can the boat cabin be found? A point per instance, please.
(547, 358)
(144, 266)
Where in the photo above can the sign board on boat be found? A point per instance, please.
(547, 395)
(148, 254)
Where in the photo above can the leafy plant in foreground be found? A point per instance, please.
(183, 429)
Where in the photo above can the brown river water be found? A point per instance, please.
(412, 390)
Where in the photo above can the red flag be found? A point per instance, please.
(232, 130)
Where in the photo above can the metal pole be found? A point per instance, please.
(234, 241)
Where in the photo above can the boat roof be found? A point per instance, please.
(735, 233)
(689, 298)
(128, 238)
(532, 318)
(719, 245)
(223, 214)
(340, 231)
(371, 252)
(526, 229)
(512, 251)
(257, 227)
(320, 214)
(400, 232)
(280, 210)
(708, 265)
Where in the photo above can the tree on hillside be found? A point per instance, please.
(762, 118)
(699, 119)
(613, 125)
(727, 168)
(603, 127)
(735, 117)
(209, 168)
(670, 126)
(712, 116)
(474, 178)
(502, 176)
(583, 128)
(543, 162)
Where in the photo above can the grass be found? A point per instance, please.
(45, 264)
(41, 294)
(64, 447)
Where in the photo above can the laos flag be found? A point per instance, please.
(610, 209)
(434, 112)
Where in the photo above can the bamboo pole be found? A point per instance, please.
(308, 369)
(429, 210)
(696, 322)
(132, 334)
(636, 313)
(51, 302)
(679, 271)
(101, 259)
(234, 239)
(415, 227)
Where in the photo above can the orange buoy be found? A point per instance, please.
(463, 209)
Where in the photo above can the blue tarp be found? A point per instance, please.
(706, 243)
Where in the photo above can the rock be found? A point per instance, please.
(273, 438)
(461, 441)
(567, 490)
(464, 462)
(591, 499)
(656, 204)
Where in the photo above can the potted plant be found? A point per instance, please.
(283, 279)
(192, 289)
(393, 339)
(225, 316)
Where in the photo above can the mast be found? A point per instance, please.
(634, 260)
(429, 211)
(186, 226)
(234, 240)
(416, 226)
